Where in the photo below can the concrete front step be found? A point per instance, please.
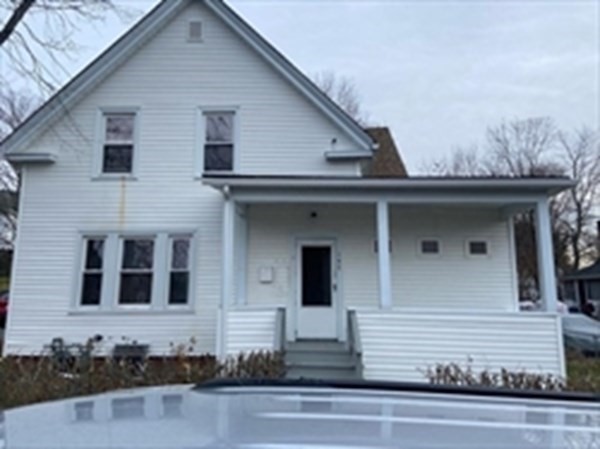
(320, 373)
(319, 358)
(316, 345)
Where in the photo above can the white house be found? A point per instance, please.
(192, 183)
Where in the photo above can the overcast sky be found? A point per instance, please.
(436, 72)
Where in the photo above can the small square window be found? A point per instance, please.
(430, 246)
(118, 142)
(219, 141)
(478, 248)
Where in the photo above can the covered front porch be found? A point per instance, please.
(406, 273)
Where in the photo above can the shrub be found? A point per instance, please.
(455, 374)
(25, 380)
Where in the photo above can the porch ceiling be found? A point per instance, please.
(414, 190)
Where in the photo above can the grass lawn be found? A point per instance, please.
(583, 374)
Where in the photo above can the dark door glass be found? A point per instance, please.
(316, 276)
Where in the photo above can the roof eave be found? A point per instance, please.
(100, 67)
(31, 158)
(548, 186)
(292, 73)
(347, 155)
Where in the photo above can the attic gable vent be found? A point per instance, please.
(195, 31)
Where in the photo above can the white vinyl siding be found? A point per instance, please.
(249, 330)
(448, 280)
(273, 232)
(400, 346)
(452, 279)
(60, 201)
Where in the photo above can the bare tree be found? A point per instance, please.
(580, 156)
(37, 35)
(15, 107)
(536, 147)
(342, 91)
(462, 162)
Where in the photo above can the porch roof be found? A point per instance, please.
(435, 189)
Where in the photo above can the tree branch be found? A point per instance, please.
(15, 19)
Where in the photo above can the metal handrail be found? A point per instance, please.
(279, 342)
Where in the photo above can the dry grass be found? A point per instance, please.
(29, 380)
(583, 375)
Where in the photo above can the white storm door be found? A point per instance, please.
(316, 312)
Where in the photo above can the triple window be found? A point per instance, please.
(141, 270)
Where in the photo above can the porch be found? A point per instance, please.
(388, 268)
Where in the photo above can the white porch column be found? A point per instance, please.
(545, 255)
(228, 258)
(227, 272)
(383, 255)
(241, 253)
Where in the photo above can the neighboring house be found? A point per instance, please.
(583, 286)
(192, 183)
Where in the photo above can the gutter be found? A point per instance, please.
(546, 184)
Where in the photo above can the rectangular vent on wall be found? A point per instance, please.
(195, 31)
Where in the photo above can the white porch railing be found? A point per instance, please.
(400, 346)
(250, 329)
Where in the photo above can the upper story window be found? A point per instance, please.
(118, 144)
(219, 142)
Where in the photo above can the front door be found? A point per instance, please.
(316, 317)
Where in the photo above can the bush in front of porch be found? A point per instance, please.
(583, 375)
(27, 380)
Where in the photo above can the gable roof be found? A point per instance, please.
(590, 272)
(140, 34)
(387, 161)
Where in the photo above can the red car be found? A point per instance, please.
(3, 307)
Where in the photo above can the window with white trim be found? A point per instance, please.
(478, 247)
(429, 247)
(93, 267)
(179, 270)
(147, 270)
(137, 269)
(118, 142)
(219, 136)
